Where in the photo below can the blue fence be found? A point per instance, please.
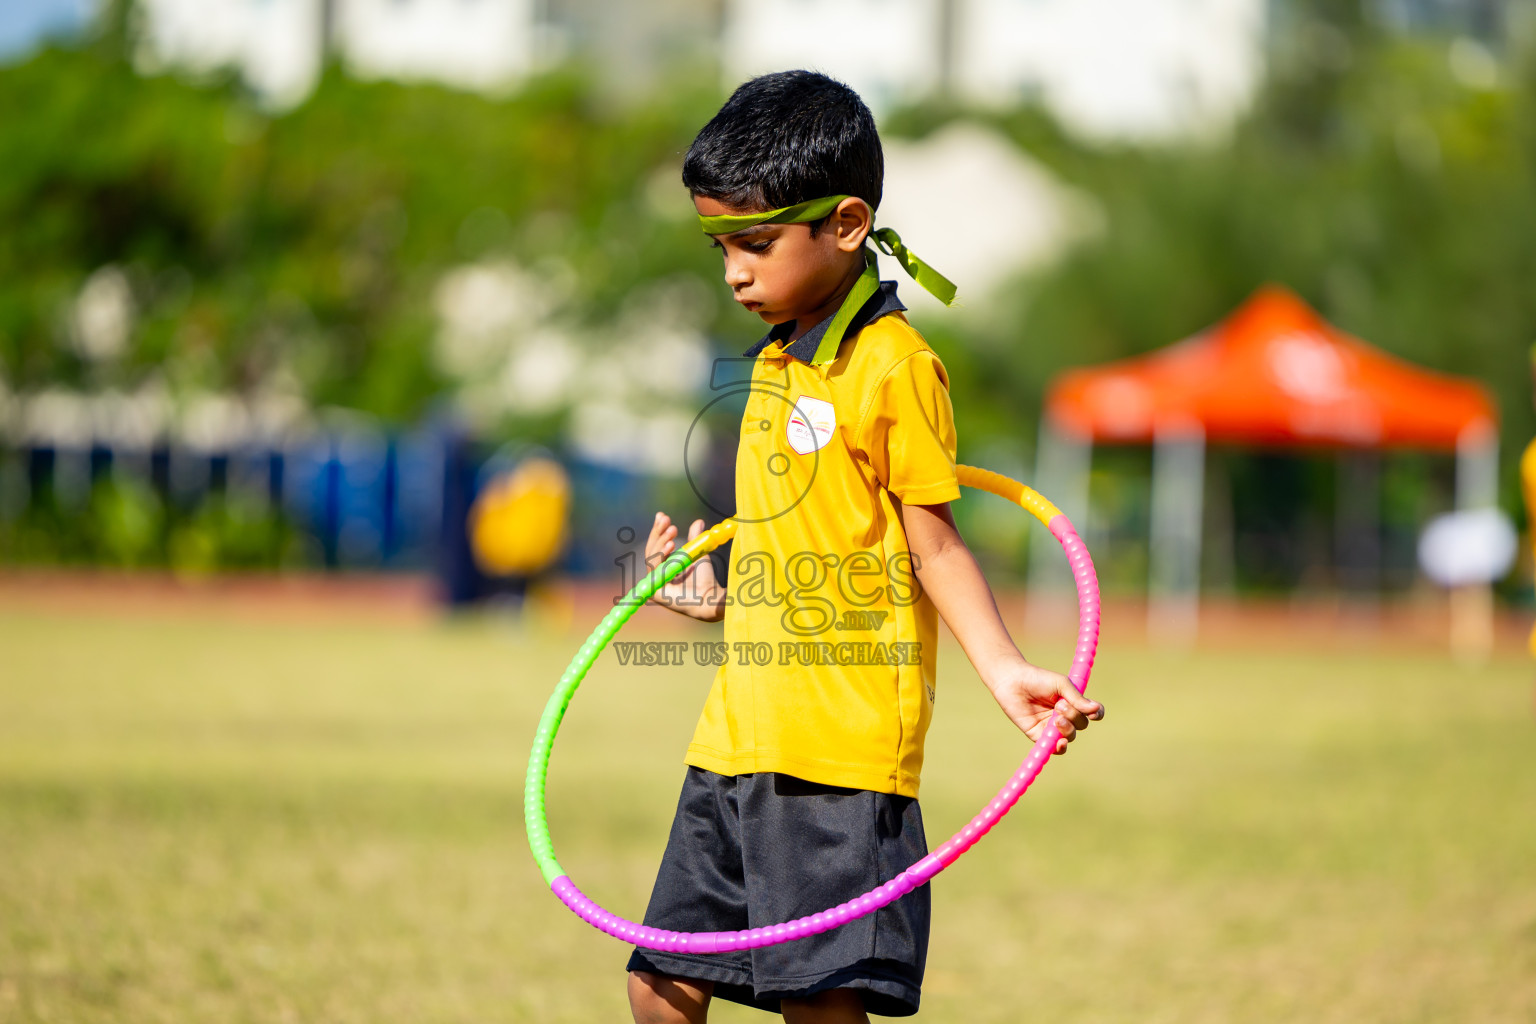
(347, 499)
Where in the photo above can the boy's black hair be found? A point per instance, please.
(784, 138)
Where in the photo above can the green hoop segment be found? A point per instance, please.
(554, 711)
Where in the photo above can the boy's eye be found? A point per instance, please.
(758, 247)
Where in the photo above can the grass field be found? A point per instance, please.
(207, 821)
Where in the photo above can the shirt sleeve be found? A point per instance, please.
(908, 433)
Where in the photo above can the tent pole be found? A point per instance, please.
(1477, 468)
(1477, 486)
(1062, 463)
(1178, 495)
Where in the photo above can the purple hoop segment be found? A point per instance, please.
(957, 844)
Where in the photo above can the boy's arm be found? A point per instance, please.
(696, 593)
(953, 581)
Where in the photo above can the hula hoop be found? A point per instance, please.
(919, 873)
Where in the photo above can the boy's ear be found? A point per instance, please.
(851, 223)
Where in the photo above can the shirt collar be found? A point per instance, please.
(882, 302)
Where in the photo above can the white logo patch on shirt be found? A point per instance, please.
(811, 423)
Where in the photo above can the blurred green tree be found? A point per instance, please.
(1378, 175)
(1389, 179)
(306, 244)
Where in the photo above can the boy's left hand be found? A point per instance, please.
(1030, 696)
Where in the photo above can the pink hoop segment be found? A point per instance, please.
(951, 849)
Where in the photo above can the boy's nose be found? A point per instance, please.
(736, 275)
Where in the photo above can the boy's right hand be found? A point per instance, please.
(695, 592)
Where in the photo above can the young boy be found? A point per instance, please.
(802, 781)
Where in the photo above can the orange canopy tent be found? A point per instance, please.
(1274, 373)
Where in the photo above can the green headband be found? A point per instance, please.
(888, 242)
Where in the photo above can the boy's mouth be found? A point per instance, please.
(750, 305)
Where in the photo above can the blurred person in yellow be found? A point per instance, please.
(1528, 488)
(803, 773)
(519, 521)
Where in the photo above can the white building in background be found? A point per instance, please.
(1107, 68)
(1115, 68)
(474, 44)
(275, 44)
(279, 45)
(890, 51)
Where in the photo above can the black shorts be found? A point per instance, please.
(753, 850)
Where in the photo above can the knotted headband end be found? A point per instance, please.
(885, 239)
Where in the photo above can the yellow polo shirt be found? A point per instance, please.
(830, 643)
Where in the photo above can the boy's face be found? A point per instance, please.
(780, 271)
